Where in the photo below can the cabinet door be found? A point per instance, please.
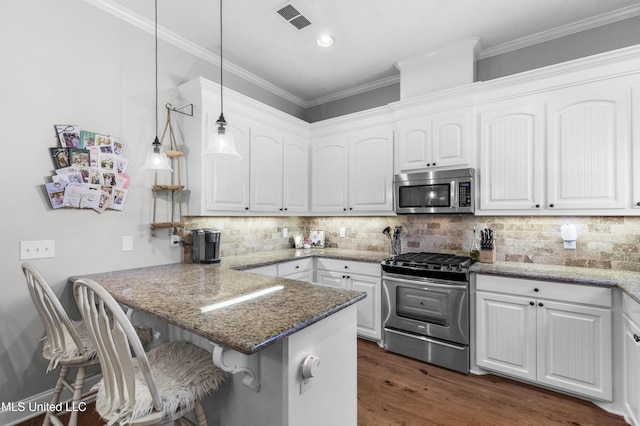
(369, 309)
(635, 93)
(414, 144)
(266, 170)
(631, 354)
(588, 137)
(329, 174)
(371, 170)
(511, 156)
(226, 182)
(295, 184)
(575, 348)
(506, 334)
(331, 278)
(451, 139)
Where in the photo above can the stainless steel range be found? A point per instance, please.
(426, 308)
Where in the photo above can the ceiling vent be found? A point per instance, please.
(293, 16)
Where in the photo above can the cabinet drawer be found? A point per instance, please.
(294, 266)
(363, 268)
(631, 308)
(575, 293)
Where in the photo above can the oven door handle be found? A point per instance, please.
(424, 283)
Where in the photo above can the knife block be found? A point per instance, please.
(488, 256)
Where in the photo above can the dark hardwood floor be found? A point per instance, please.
(395, 390)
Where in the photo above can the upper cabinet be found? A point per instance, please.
(434, 140)
(279, 172)
(557, 151)
(352, 171)
(272, 175)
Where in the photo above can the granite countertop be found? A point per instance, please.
(628, 281)
(177, 292)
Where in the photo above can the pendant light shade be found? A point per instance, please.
(156, 160)
(220, 141)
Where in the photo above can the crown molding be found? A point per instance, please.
(146, 25)
(565, 30)
(118, 11)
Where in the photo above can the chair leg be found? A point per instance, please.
(64, 370)
(201, 417)
(78, 384)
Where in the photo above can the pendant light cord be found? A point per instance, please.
(156, 62)
(221, 82)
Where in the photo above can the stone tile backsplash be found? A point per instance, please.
(603, 242)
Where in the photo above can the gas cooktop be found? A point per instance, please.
(436, 265)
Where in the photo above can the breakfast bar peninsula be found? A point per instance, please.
(290, 344)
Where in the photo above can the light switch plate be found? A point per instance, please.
(37, 249)
(343, 232)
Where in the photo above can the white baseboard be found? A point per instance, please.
(13, 413)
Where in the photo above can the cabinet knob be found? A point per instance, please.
(638, 204)
(297, 266)
(285, 209)
(346, 267)
(537, 206)
(531, 303)
(344, 276)
(433, 164)
(344, 209)
(536, 290)
(551, 205)
(348, 276)
(280, 209)
(540, 304)
(636, 337)
(246, 208)
(428, 164)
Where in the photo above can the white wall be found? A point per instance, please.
(68, 62)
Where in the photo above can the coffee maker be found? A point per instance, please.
(205, 245)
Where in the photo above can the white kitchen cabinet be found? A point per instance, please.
(631, 358)
(550, 333)
(271, 176)
(635, 147)
(588, 134)
(511, 156)
(559, 150)
(352, 172)
(299, 269)
(358, 276)
(434, 141)
(279, 172)
(226, 181)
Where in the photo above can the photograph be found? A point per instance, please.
(68, 135)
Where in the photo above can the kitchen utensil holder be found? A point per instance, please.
(488, 256)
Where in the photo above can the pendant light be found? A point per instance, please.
(156, 160)
(220, 141)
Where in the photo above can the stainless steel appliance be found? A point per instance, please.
(205, 245)
(440, 191)
(426, 308)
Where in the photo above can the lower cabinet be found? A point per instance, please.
(631, 358)
(358, 276)
(554, 334)
(301, 270)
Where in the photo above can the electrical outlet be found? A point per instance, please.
(37, 249)
(175, 240)
(343, 232)
(127, 243)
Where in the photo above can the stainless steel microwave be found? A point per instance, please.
(435, 192)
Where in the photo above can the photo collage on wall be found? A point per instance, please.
(90, 170)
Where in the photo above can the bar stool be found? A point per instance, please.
(147, 388)
(66, 344)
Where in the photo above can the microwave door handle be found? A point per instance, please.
(454, 195)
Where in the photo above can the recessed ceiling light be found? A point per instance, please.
(325, 40)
